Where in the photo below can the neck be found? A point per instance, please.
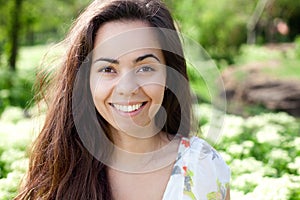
(136, 155)
(130, 143)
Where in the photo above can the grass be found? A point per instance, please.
(287, 61)
(288, 69)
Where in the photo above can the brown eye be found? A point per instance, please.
(107, 69)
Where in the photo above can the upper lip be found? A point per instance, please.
(128, 103)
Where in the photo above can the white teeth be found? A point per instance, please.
(130, 108)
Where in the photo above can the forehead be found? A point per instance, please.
(117, 38)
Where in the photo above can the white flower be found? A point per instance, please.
(272, 189)
(270, 134)
(235, 149)
(296, 143)
(295, 165)
(233, 126)
(279, 154)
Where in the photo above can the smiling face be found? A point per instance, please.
(128, 77)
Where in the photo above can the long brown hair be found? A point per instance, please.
(60, 166)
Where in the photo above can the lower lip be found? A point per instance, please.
(131, 114)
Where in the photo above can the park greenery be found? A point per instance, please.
(262, 149)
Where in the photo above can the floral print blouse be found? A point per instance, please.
(199, 173)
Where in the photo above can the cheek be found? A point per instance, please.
(155, 93)
(100, 92)
(154, 86)
(158, 94)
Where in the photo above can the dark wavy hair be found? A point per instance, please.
(60, 166)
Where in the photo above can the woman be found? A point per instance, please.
(119, 121)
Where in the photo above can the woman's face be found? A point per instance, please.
(128, 76)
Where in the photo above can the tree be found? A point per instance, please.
(30, 22)
(219, 26)
(3, 21)
(14, 31)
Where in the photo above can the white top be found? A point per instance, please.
(199, 173)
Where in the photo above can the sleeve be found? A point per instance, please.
(222, 174)
(210, 173)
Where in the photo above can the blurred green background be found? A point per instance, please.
(261, 143)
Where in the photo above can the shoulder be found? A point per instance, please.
(199, 171)
(205, 151)
(203, 154)
(203, 162)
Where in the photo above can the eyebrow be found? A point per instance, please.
(114, 61)
(146, 56)
(139, 59)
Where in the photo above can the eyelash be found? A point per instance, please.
(112, 70)
(149, 69)
(103, 70)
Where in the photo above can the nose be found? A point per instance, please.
(127, 85)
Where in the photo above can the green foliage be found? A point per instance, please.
(17, 87)
(16, 135)
(57, 14)
(219, 26)
(263, 153)
(253, 53)
(278, 61)
(281, 62)
(297, 42)
(40, 22)
(198, 85)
